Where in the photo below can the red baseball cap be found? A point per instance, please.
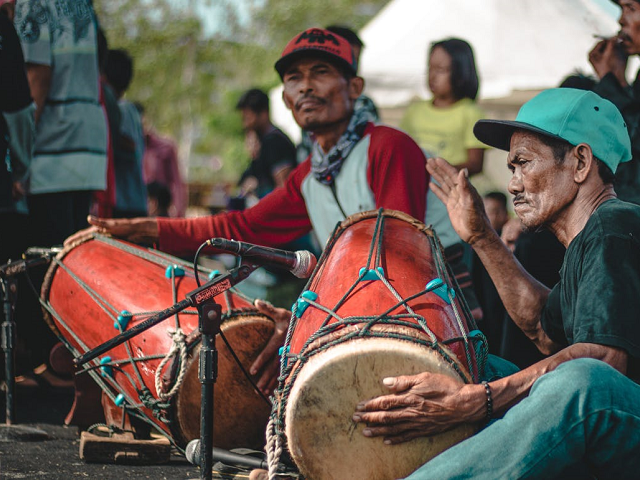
(321, 43)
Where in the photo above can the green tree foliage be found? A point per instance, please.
(280, 20)
(189, 82)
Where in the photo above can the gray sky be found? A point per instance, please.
(212, 13)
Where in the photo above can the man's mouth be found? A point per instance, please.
(623, 38)
(308, 103)
(518, 200)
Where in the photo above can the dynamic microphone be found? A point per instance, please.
(301, 263)
(192, 453)
(14, 268)
(42, 251)
(33, 257)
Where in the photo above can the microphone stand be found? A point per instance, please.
(209, 320)
(9, 291)
(9, 286)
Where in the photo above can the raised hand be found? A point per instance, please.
(464, 204)
(607, 56)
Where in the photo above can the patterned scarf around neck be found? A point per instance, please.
(326, 166)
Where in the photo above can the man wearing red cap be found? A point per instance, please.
(354, 166)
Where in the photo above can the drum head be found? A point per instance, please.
(323, 400)
(240, 414)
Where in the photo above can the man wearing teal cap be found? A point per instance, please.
(578, 409)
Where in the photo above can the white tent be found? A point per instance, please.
(518, 44)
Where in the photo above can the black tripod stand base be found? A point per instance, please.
(21, 433)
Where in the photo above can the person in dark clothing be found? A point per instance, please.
(495, 204)
(158, 199)
(17, 133)
(540, 254)
(131, 191)
(275, 156)
(609, 59)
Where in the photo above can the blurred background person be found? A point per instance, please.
(70, 152)
(273, 153)
(104, 201)
(443, 125)
(160, 165)
(579, 80)
(70, 158)
(131, 191)
(158, 199)
(495, 204)
(17, 133)
(609, 59)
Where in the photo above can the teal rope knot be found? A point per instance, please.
(153, 404)
(481, 347)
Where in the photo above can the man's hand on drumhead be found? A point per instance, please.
(464, 204)
(418, 406)
(268, 362)
(143, 230)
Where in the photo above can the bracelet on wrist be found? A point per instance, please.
(487, 391)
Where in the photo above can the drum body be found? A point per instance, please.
(98, 288)
(371, 316)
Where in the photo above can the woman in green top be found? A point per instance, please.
(443, 126)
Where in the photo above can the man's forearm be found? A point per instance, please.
(508, 391)
(39, 77)
(522, 295)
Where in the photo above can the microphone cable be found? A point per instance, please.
(224, 338)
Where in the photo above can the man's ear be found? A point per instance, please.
(584, 162)
(287, 103)
(356, 86)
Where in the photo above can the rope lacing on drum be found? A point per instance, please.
(179, 345)
(291, 363)
(156, 405)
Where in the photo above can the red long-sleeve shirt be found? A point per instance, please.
(395, 173)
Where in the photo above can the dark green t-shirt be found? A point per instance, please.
(598, 297)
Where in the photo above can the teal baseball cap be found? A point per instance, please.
(576, 116)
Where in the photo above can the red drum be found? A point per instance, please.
(100, 287)
(382, 302)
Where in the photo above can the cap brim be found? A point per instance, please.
(284, 63)
(497, 133)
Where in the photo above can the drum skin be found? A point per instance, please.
(323, 440)
(89, 284)
(240, 415)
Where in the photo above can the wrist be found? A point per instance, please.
(485, 239)
(489, 401)
(474, 400)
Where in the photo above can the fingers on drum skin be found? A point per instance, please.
(258, 475)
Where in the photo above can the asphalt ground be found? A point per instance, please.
(44, 408)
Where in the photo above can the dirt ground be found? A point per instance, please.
(45, 408)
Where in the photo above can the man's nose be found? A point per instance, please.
(306, 84)
(515, 184)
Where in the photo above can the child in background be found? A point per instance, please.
(443, 126)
